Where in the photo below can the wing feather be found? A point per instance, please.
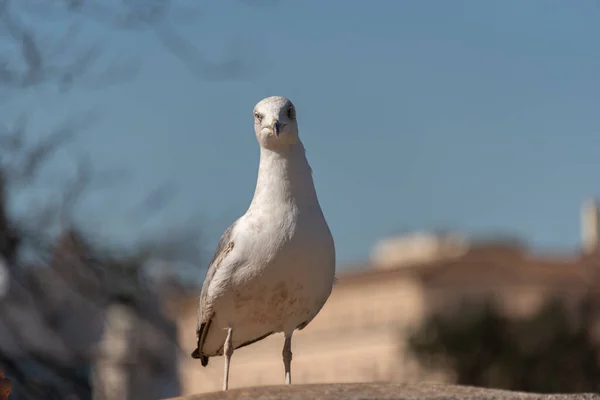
(205, 313)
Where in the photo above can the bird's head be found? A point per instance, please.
(275, 122)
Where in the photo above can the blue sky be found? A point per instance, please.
(479, 116)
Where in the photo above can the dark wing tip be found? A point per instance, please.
(302, 325)
(202, 332)
(203, 359)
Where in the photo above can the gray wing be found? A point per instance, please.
(224, 246)
(205, 314)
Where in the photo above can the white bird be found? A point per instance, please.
(274, 267)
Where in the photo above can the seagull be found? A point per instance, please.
(274, 267)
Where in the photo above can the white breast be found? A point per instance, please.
(293, 274)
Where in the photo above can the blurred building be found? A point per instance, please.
(360, 335)
(68, 332)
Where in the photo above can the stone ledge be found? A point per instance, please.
(378, 391)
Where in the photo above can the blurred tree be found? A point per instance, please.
(553, 351)
(76, 313)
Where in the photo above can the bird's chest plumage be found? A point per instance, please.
(289, 243)
(293, 269)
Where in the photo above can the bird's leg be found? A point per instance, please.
(287, 358)
(228, 351)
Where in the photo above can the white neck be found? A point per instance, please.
(284, 177)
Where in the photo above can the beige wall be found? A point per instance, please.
(358, 336)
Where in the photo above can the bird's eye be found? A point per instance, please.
(291, 113)
(258, 116)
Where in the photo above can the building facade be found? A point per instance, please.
(361, 333)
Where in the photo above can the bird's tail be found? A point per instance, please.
(203, 359)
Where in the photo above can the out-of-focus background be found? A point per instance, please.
(456, 154)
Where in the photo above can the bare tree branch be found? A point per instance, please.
(58, 267)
